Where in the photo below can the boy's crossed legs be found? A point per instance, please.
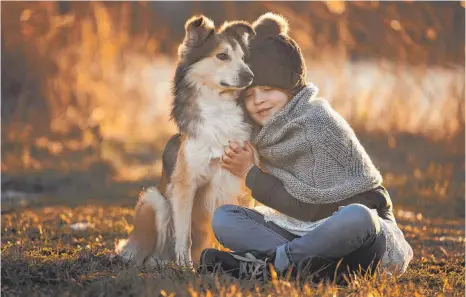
(352, 233)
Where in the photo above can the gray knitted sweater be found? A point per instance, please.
(318, 158)
(326, 162)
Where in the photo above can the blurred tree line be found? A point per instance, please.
(44, 43)
(417, 32)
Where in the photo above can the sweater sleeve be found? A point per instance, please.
(269, 190)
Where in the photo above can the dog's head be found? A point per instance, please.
(216, 58)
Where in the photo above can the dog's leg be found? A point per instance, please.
(225, 189)
(142, 240)
(202, 234)
(149, 242)
(182, 205)
(182, 191)
(163, 225)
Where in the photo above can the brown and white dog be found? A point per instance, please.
(210, 74)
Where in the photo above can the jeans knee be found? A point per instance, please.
(361, 217)
(222, 218)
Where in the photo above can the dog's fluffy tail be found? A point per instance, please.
(152, 228)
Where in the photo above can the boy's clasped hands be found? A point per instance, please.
(237, 159)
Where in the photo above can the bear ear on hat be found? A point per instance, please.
(270, 24)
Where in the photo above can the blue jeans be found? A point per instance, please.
(353, 233)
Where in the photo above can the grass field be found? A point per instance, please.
(43, 256)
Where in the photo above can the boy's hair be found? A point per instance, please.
(275, 58)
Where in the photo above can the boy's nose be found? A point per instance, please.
(259, 99)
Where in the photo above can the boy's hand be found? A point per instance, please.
(238, 160)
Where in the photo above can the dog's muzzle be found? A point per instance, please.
(246, 78)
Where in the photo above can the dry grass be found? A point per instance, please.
(43, 256)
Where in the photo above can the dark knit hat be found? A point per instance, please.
(275, 58)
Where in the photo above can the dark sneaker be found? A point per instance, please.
(241, 265)
(318, 269)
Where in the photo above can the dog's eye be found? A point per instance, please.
(222, 57)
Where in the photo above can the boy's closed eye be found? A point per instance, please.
(248, 94)
(251, 92)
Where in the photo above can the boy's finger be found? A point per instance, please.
(235, 147)
(247, 146)
(229, 152)
(225, 166)
(226, 159)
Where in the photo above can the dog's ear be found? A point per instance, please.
(241, 29)
(198, 28)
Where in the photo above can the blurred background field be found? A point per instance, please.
(86, 93)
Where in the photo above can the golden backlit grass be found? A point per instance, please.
(43, 256)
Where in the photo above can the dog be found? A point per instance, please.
(211, 72)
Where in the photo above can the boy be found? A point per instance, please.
(325, 206)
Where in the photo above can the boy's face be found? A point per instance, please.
(263, 102)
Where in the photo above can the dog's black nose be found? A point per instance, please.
(246, 76)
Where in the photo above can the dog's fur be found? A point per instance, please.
(205, 109)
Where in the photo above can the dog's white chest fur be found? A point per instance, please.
(222, 121)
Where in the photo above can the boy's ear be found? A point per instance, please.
(241, 29)
(197, 28)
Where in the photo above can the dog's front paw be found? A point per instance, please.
(183, 259)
